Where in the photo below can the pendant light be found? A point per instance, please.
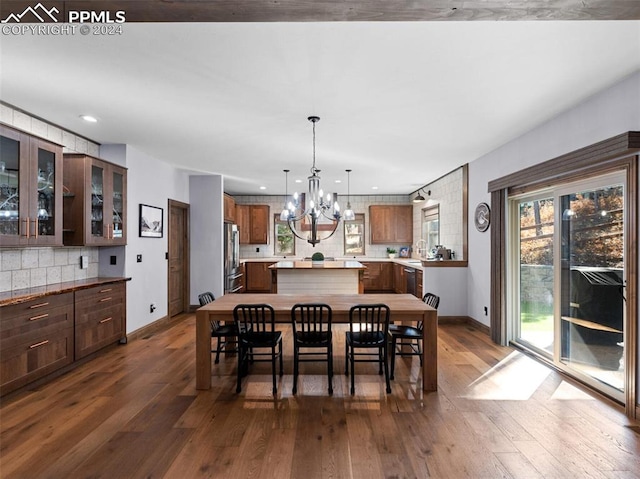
(284, 215)
(316, 206)
(348, 214)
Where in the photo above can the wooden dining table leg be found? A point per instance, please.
(430, 351)
(203, 350)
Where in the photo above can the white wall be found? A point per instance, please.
(151, 182)
(606, 114)
(207, 242)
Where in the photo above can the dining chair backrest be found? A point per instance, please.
(372, 318)
(254, 318)
(311, 318)
(433, 301)
(206, 298)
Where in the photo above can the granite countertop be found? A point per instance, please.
(23, 295)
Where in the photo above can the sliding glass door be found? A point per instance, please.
(568, 279)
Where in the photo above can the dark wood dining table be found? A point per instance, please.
(404, 308)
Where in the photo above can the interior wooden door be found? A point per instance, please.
(178, 258)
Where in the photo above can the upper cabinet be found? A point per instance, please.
(96, 202)
(391, 224)
(30, 190)
(253, 223)
(229, 209)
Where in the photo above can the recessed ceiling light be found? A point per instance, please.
(263, 187)
(338, 181)
(89, 118)
(374, 187)
(298, 181)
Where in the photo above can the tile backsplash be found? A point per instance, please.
(31, 267)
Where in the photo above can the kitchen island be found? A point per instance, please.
(326, 277)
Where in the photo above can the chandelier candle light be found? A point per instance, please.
(307, 210)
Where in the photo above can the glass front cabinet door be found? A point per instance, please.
(30, 190)
(96, 203)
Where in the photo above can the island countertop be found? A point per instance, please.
(346, 264)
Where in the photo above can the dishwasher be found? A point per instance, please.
(410, 274)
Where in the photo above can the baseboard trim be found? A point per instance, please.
(464, 320)
(154, 327)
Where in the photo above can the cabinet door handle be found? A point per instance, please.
(105, 299)
(35, 224)
(40, 316)
(26, 221)
(41, 343)
(39, 305)
(106, 320)
(106, 290)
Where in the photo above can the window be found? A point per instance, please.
(285, 243)
(431, 227)
(354, 235)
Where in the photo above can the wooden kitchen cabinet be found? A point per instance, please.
(36, 339)
(258, 276)
(30, 190)
(378, 277)
(399, 279)
(100, 317)
(253, 223)
(96, 203)
(229, 209)
(419, 286)
(391, 224)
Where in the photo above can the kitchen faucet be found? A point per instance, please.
(421, 248)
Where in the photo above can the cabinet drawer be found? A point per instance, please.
(34, 359)
(100, 294)
(99, 318)
(98, 330)
(26, 321)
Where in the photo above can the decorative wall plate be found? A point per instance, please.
(482, 217)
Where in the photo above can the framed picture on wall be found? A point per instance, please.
(151, 221)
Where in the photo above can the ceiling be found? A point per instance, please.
(401, 103)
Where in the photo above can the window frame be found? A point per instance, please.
(359, 219)
(277, 221)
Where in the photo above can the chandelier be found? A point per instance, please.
(310, 213)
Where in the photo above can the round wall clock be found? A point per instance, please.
(482, 217)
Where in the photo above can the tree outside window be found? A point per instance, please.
(285, 243)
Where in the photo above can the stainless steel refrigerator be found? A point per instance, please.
(232, 271)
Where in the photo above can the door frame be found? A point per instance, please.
(186, 293)
(619, 153)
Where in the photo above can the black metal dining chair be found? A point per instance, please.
(258, 340)
(226, 334)
(407, 340)
(368, 329)
(311, 326)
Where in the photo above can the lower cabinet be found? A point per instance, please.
(40, 336)
(399, 279)
(100, 318)
(378, 277)
(257, 276)
(36, 339)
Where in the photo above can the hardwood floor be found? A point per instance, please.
(134, 412)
